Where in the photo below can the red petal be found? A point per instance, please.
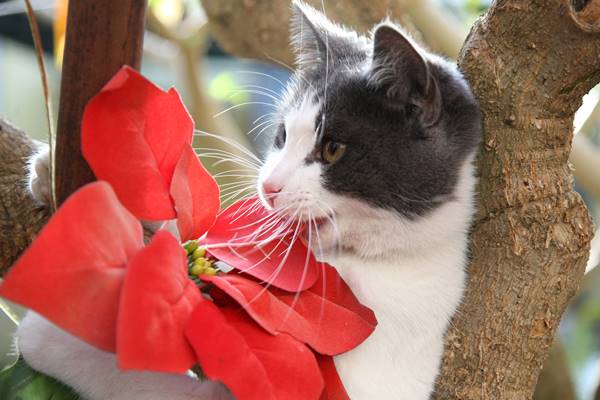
(196, 196)
(132, 136)
(156, 304)
(253, 364)
(73, 272)
(327, 317)
(284, 262)
(334, 388)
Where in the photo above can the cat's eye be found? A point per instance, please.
(332, 151)
(280, 138)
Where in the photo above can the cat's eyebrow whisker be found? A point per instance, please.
(289, 68)
(266, 89)
(264, 129)
(253, 91)
(262, 74)
(272, 116)
(230, 142)
(268, 123)
(246, 103)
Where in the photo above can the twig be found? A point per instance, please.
(39, 52)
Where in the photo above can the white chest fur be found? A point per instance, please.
(414, 298)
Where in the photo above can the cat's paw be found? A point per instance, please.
(39, 176)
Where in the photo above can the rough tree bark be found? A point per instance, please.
(20, 217)
(529, 62)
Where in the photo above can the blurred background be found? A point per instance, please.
(233, 98)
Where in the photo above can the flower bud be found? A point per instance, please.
(190, 246)
(198, 253)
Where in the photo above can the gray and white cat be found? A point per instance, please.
(376, 146)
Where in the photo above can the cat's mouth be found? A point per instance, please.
(311, 229)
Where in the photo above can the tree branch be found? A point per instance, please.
(555, 381)
(20, 217)
(259, 29)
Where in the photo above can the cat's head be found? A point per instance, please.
(377, 135)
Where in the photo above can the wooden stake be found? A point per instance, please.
(101, 37)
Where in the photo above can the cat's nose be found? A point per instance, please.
(270, 191)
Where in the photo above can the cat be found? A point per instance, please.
(375, 152)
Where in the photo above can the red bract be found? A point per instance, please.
(313, 316)
(138, 138)
(196, 196)
(273, 255)
(156, 303)
(252, 363)
(73, 272)
(334, 388)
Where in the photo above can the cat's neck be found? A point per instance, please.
(412, 289)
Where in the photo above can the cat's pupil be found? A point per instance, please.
(280, 138)
(332, 151)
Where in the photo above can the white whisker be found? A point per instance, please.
(246, 103)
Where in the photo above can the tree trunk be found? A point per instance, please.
(529, 63)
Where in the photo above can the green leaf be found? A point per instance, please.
(21, 382)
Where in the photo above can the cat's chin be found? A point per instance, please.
(322, 238)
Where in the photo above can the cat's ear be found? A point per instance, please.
(399, 67)
(314, 38)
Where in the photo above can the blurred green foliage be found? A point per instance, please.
(21, 382)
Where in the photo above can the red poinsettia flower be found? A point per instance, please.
(313, 316)
(138, 137)
(225, 339)
(275, 316)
